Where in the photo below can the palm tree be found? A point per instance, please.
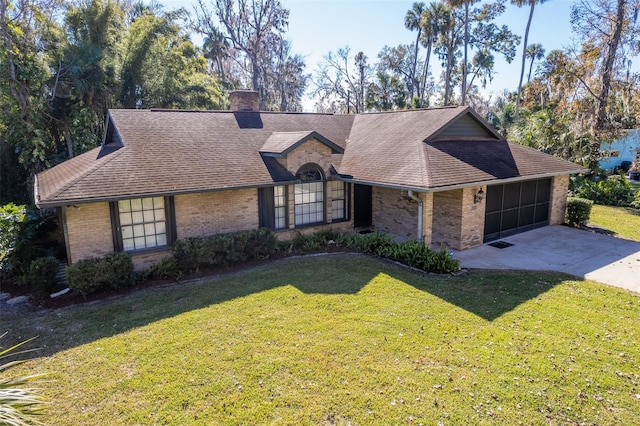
(412, 22)
(532, 5)
(431, 23)
(536, 53)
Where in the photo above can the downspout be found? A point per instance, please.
(411, 195)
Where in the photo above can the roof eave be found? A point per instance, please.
(460, 185)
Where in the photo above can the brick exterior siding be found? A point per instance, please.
(199, 215)
(312, 151)
(458, 222)
(87, 231)
(394, 213)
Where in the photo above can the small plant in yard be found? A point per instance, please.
(20, 404)
(87, 276)
(42, 273)
(578, 211)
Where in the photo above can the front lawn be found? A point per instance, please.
(344, 339)
(624, 222)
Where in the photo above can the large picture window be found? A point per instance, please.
(309, 195)
(142, 223)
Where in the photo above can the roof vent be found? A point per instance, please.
(244, 100)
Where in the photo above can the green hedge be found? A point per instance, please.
(411, 253)
(193, 254)
(578, 211)
(90, 275)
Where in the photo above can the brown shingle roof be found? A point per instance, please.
(281, 143)
(179, 151)
(170, 152)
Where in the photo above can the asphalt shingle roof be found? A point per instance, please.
(170, 152)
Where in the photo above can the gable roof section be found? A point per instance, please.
(388, 148)
(172, 152)
(418, 150)
(280, 144)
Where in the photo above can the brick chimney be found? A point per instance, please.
(244, 100)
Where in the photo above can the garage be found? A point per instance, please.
(516, 207)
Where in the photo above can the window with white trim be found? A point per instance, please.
(280, 207)
(142, 223)
(338, 201)
(309, 195)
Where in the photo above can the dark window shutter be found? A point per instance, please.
(266, 208)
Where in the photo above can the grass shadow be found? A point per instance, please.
(491, 294)
(485, 294)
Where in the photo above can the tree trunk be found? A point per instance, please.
(463, 93)
(524, 59)
(425, 72)
(602, 103)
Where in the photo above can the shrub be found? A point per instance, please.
(42, 273)
(166, 268)
(418, 255)
(90, 275)
(578, 211)
(612, 191)
(193, 254)
(117, 270)
(636, 201)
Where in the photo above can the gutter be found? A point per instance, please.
(411, 195)
(460, 185)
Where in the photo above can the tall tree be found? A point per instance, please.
(532, 5)
(608, 28)
(84, 75)
(28, 38)
(413, 21)
(340, 83)
(432, 24)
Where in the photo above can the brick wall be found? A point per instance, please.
(472, 230)
(311, 151)
(558, 202)
(447, 218)
(394, 213)
(88, 231)
(200, 215)
(458, 222)
(427, 217)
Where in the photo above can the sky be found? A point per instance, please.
(317, 27)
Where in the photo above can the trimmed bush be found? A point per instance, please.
(578, 211)
(411, 253)
(90, 275)
(193, 254)
(42, 273)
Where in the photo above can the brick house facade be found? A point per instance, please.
(442, 176)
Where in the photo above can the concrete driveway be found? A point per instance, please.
(585, 254)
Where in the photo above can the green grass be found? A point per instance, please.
(624, 222)
(345, 340)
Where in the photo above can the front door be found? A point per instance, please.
(362, 215)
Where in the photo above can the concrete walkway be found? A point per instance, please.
(585, 254)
